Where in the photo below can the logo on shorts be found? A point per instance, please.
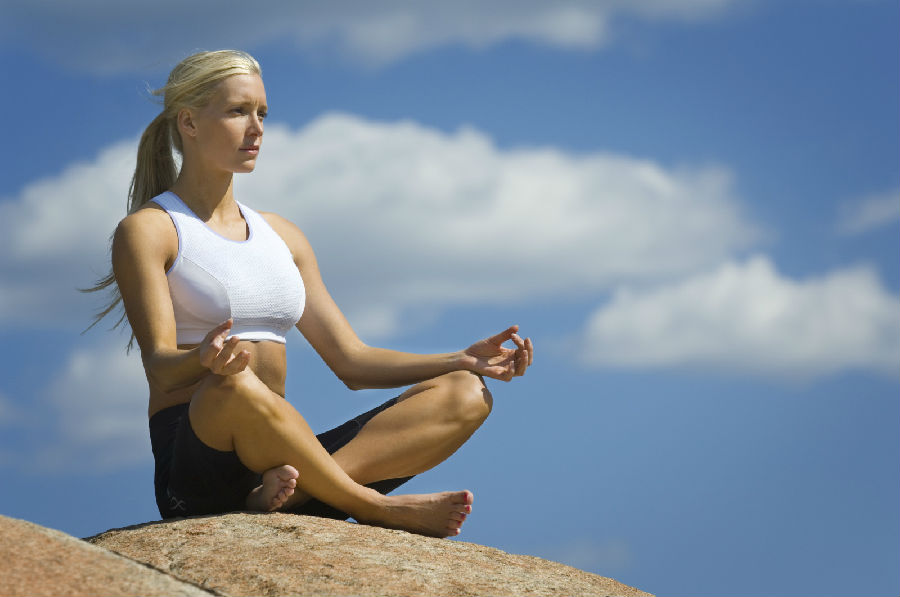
(175, 503)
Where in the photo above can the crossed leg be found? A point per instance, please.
(240, 413)
(430, 421)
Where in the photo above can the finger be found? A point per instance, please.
(529, 346)
(503, 336)
(212, 349)
(520, 357)
(219, 330)
(521, 363)
(517, 339)
(224, 355)
(214, 342)
(510, 368)
(237, 364)
(499, 372)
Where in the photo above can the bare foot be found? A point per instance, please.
(277, 486)
(434, 514)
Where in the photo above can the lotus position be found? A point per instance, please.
(210, 288)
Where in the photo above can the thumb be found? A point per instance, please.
(504, 335)
(222, 327)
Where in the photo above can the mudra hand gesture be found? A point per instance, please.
(490, 358)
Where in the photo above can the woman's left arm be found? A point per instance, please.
(361, 366)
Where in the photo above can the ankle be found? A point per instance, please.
(372, 506)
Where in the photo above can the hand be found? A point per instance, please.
(490, 358)
(217, 354)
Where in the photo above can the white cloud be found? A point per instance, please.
(54, 239)
(870, 213)
(105, 37)
(747, 317)
(403, 216)
(405, 219)
(99, 408)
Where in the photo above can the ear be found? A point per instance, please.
(186, 124)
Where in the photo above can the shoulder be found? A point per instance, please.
(149, 229)
(292, 236)
(150, 216)
(278, 223)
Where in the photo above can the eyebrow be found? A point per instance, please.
(243, 101)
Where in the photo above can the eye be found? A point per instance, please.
(262, 114)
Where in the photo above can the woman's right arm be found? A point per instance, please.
(144, 245)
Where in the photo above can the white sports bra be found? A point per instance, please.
(255, 282)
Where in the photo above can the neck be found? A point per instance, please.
(209, 195)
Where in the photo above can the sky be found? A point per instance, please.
(691, 206)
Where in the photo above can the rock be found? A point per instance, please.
(39, 561)
(286, 554)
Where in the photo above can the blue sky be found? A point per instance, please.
(692, 206)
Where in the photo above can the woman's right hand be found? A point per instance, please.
(217, 354)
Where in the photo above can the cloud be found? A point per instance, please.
(54, 239)
(406, 220)
(404, 217)
(103, 37)
(97, 427)
(869, 213)
(747, 317)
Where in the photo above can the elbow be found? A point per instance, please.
(159, 382)
(348, 369)
(157, 378)
(352, 384)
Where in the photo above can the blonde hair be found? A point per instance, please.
(191, 84)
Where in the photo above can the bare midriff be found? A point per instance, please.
(267, 361)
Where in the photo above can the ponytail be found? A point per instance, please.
(154, 174)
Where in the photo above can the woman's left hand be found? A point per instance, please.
(490, 358)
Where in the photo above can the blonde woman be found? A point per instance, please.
(210, 288)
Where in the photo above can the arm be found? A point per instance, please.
(144, 244)
(383, 368)
(361, 366)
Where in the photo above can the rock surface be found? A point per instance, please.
(284, 554)
(35, 560)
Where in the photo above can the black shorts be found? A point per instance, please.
(192, 479)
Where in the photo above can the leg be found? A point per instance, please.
(238, 412)
(428, 424)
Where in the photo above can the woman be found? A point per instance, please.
(210, 287)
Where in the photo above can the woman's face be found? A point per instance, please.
(227, 132)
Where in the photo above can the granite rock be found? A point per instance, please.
(35, 560)
(286, 554)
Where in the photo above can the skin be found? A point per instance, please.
(236, 388)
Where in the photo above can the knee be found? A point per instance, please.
(467, 400)
(230, 394)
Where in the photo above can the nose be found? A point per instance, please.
(256, 126)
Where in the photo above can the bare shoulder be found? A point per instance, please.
(147, 220)
(148, 230)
